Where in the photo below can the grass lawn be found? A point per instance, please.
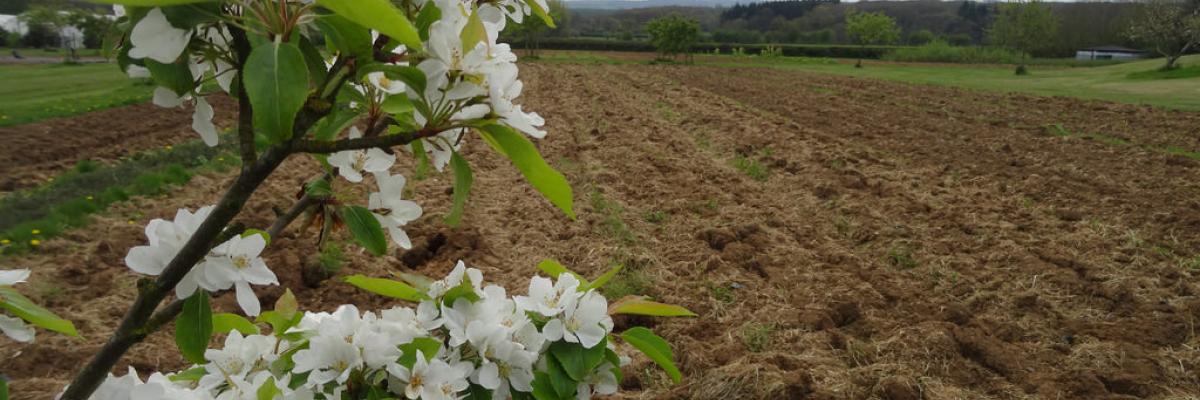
(7, 51)
(35, 92)
(1133, 82)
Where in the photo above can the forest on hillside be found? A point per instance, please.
(823, 22)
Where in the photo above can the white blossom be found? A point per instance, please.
(155, 38)
(390, 210)
(236, 263)
(352, 163)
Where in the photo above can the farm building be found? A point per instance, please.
(1109, 53)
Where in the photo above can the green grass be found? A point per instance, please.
(1110, 83)
(1138, 82)
(29, 217)
(31, 93)
(7, 51)
(752, 168)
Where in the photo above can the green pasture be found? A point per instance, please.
(32, 92)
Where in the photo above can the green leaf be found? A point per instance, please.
(603, 279)
(577, 360)
(420, 282)
(268, 390)
(638, 305)
(251, 232)
(191, 375)
(428, 15)
(379, 15)
(365, 228)
(397, 104)
(194, 327)
(279, 322)
(427, 346)
(227, 322)
(473, 33)
(3, 388)
(549, 182)
(411, 76)
(386, 287)
(313, 61)
(542, 388)
(23, 308)
(464, 290)
(562, 383)
(477, 392)
(175, 76)
(150, 3)
(541, 13)
(276, 82)
(286, 305)
(319, 188)
(554, 269)
(462, 187)
(613, 358)
(654, 347)
(423, 165)
(346, 37)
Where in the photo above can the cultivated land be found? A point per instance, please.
(840, 237)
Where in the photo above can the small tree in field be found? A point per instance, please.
(532, 30)
(673, 35)
(871, 29)
(392, 79)
(1171, 28)
(1025, 26)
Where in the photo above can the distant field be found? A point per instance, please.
(1133, 83)
(35, 92)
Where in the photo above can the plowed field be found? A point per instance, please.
(840, 238)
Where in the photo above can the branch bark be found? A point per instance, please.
(387, 141)
(245, 127)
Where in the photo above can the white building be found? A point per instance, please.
(1109, 53)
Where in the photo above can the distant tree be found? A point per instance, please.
(1024, 26)
(871, 29)
(43, 24)
(673, 35)
(959, 39)
(532, 30)
(95, 27)
(921, 37)
(1171, 28)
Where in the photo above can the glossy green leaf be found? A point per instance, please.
(474, 33)
(276, 81)
(541, 13)
(190, 375)
(477, 392)
(426, 346)
(345, 36)
(637, 305)
(549, 182)
(386, 287)
(286, 305)
(553, 269)
(603, 279)
(175, 76)
(429, 14)
(398, 104)
(227, 322)
(279, 322)
(194, 327)
(380, 15)
(654, 347)
(542, 387)
(464, 290)
(366, 229)
(564, 386)
(420, 282)
(23, 308)
(150, 3)
(268, 390)
(462, 187)
(577, 360)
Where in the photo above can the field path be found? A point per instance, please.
(840, 238)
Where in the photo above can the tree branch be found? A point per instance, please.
(241, 47)
(387, 141)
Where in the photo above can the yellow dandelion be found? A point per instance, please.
(90, 198)
(5, 242)
(168, 147)
(36, 232)
(35, 242)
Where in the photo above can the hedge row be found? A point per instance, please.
(797, 50)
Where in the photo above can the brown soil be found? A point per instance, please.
(103, 136)
(909, 242)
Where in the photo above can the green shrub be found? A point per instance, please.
(942, 52)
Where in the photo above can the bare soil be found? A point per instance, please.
(35, 152)
(908, 242)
